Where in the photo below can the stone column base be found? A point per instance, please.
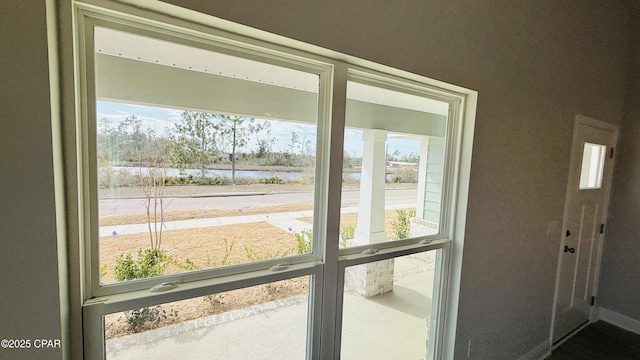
(371, 279)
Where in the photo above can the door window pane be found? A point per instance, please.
(393, 165)
(262, 322)
(592, 166)
(387, 308)
(205, 159)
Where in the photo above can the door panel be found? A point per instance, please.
(585, 211)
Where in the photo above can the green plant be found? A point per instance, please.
(103, 270)
(189, 265)
(347, 232)
(228, 247)
(271, 180)
(401, 225)
(149, 262)
(304, 240)
(306, 179)
(254, 256)
(146, 318)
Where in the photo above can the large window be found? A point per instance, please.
(204, 159)
(393, 160)
(239, 198)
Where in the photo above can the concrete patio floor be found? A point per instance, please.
(393, 325)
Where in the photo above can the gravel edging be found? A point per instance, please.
(124, 342)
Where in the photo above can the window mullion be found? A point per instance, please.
(329, 309)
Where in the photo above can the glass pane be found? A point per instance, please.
(592, 166)
(261, 322)
(387, 308)
(393, 165)
(204, 159)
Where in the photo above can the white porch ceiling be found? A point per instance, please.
(156, 51)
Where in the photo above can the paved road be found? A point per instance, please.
(135, 206)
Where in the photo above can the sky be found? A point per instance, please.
(163, 119)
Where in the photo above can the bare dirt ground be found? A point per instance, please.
(181, 311)
(206, 248)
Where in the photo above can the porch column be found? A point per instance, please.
(370, 228)
(373, 278)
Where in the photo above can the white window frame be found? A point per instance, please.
(87, 20)
(326, 263)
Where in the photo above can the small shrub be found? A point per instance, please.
(271, 180)
(254, 256)
(304, 240)
(146, 318)
(149, 262)
(304, 180)
(347, 232)
(179, 180)
(103, 270)
(401, 225)
(189, 265)
(209, 181)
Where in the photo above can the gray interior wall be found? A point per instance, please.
(29, 301)
(535, 64)
(620, 281)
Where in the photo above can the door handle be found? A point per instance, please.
(571, 250)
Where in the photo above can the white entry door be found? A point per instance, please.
(585, 212)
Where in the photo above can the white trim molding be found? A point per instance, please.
(619, 320)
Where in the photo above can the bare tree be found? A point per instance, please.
(152, 181)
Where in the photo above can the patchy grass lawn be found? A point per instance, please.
(205, 247)
(351, 219)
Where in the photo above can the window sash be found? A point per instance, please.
(94, 310)
(88, 127)
(451, 153)
(440, 284)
